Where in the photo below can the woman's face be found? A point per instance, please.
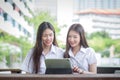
(74, 39)
(47, 37)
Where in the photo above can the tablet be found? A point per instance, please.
(58, 66)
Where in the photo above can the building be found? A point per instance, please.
(62, 10)
(12, 18)
(97, 15)
(96, 4)
(101, 20)
(13, 14)
(47, 5)
(71, 11)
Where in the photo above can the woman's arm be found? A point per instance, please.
(92, 69)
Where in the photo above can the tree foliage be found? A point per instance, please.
(20, 42)
(44, 16)
(101, 42)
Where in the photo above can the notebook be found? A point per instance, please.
(58, 66)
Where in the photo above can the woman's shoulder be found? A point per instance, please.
(58, 48)
(30, 51)
(90, 50)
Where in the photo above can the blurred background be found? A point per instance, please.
(19, 20)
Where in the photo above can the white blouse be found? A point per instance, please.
(83, 58)
(54, 53)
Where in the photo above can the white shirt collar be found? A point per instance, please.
(52, 50)
(83, 50)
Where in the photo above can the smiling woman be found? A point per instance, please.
(46, 47)
(82, 56)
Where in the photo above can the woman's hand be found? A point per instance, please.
(78, 70)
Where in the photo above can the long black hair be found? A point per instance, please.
(37, 52)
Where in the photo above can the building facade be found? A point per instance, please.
(96, 4)
(97, 15)
(12, 18)
(13, 14)
(101, 20)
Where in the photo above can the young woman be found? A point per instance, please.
(82, 57)
(45, 48)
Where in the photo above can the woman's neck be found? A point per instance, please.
(46, 49)
(75, 50)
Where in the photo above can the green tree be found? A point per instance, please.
(101, 42)
(22, 43)
(43, 16)
(117, 47)
(101, 34)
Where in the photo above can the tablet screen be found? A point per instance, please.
(58, 66)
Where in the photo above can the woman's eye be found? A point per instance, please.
(44, 35)
(50, 34)
(75, 36)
